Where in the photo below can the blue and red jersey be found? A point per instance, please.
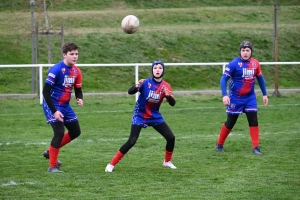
(242, 75)
(63, 78)
(149, 101)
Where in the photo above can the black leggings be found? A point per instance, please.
(251, 117)
(59, 130)
(162, 128)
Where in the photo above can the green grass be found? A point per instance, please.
(202, 172)
(196, 31)
(67, 5)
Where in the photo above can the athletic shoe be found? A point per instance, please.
(256, 150)
(109, 168)
(54, 169)
(220, 148)
(46, 155)
(169, 164)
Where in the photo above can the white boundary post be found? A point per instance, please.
(136, 80)
(224, 66)
(41, 83)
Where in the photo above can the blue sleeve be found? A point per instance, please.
(262, 85)
(223, 84)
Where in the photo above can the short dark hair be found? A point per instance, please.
(69, 46)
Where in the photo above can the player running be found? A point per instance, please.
(60, 81)
(146, 113)
(242, 98)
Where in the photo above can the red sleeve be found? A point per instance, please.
(78, 81)
(258, 68)
(167, 85)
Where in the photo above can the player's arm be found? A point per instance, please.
(78, 93)
(79, 96)
(262, 84)
(169, 97)
(171, 100)
(135, 88)
(223, 86)
(47, 96)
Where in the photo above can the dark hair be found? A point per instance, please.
(69, 46)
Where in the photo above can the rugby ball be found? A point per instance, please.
(130, 24)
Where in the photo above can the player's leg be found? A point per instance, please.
(251, 113)
(166, 132)
(73, 132)
(254, 131)
(134, 135)
(58, 129)
(233, 111)
(72, 124)
(225, 130)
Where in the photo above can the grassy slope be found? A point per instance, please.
(195, 32)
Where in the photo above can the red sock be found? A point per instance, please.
(117, 158)
(254, 133)
(53, 155)
(66, 139)
(224, 132)
(168, 156)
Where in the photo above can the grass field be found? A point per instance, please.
(202, 173)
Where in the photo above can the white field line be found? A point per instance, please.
(121, 111)
(233, 134)
(13, 183)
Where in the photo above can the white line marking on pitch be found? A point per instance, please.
(13, 183)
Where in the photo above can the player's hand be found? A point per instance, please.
(79, 102)
(265, 100)
(139, 83)
(59, 116)
(226, 100)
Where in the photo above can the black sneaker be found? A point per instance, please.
(46, 155)
(54, 169)
(219, 147)
(256, 150)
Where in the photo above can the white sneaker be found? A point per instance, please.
(109, 168)
(169, 164)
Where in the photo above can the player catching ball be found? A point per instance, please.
(242, 71)
(146, 113)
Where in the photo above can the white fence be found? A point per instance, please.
(136, 65)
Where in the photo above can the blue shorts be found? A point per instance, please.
(66, 110)
(140, 121)
(239, 105)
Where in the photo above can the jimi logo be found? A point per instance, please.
(248, 73)
(153, 97)
(68, 81)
